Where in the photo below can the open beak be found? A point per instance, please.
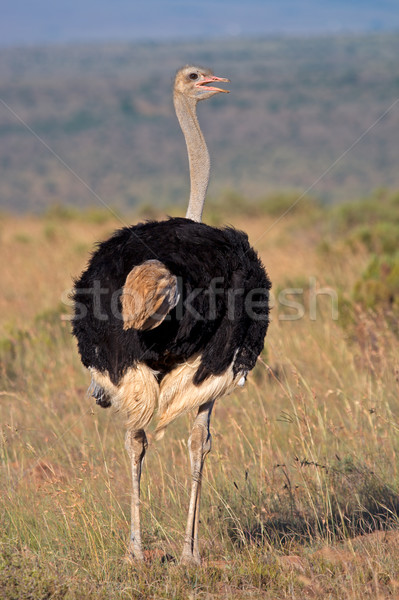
(211, 79)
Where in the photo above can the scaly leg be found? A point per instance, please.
(199, 445)
(136, 445)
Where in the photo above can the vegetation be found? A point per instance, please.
(296, 106)
(300, 497)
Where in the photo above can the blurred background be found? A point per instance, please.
(302, 484)
(89, 85)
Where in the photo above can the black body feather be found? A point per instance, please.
(223, 312)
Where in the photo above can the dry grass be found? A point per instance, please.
(300, 494)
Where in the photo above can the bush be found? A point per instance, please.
(380, 238)
(378, 287)
(295, 202)
(378, 210)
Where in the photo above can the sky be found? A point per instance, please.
(27, 22)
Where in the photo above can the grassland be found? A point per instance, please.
(106, 110)
(300, 497)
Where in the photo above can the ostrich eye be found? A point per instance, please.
(193, 76)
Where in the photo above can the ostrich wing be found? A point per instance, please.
(149, 294)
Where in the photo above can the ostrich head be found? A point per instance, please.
(193, 83)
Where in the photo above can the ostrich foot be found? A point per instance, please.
(134, 554)
(189, 559)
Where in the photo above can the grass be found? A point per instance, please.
(300, 497)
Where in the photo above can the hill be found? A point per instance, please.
(105, 111)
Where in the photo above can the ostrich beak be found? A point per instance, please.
(211, 79)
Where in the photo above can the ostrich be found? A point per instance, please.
(170, 316)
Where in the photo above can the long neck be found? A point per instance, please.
(198, 155)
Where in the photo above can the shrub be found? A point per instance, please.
(378, 287)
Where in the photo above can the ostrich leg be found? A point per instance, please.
(136, 445)
(199, 445)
